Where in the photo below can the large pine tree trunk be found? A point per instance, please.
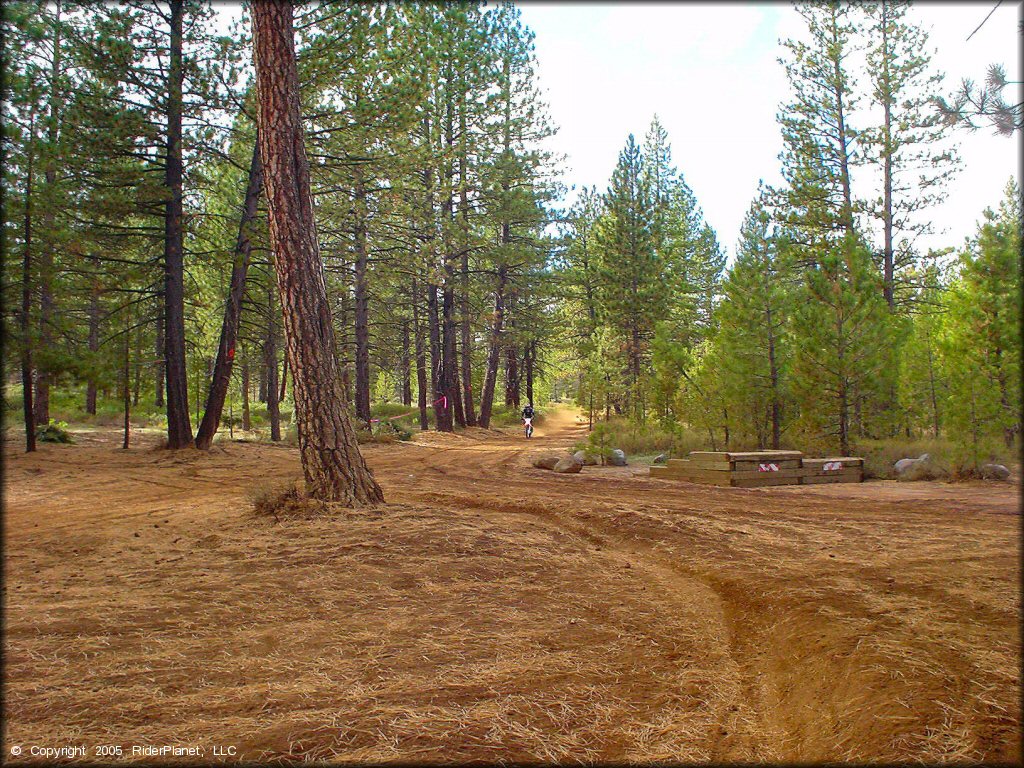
(440, 401)
(421, 361)
(449, 357)
(26, 305)
(46, 261)
(531, 353)
(126, 370)
(94, 336)
(405, 365)
(137, 366)
(273, 396)
(494, 350)
(246, 414)
(333, 466)
(512, 376)
(159, 376)
(888, 257)
(466, 348)
(179, 428)
(773, 370)
(362, 303)
(233, 309)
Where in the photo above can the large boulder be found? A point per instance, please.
(920, 468)
(903, 465)
(584, 458)
(617, 458)
(567, 465)
(546, 462)
(994, 472)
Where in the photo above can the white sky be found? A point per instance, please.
(710, 72)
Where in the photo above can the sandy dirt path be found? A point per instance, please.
(495, 611)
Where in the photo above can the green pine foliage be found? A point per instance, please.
(824, 329)
(981, 339)
(754, 336)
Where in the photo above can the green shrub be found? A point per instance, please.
(54, 432)
(636, 439)
(599, 442)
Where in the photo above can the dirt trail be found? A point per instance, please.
(495, 611)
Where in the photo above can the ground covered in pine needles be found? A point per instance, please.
(492, 611)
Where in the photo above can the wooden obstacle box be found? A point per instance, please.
(756, 469)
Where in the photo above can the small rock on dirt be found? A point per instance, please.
(568, 465)
(546, 462)
(994, 472)
(617, 458)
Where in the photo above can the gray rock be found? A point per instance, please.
(994, 472)
(921, 468)
(585, 458)
(903, 465)
(546, 462)
(567, 465)
(617, 458)
(661, 458)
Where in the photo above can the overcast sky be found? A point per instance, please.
(710, 72)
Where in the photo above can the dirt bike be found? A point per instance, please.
(528, 428)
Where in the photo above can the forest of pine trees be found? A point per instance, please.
(140, 283)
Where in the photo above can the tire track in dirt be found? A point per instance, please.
(796, 706)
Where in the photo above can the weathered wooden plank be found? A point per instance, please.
(716, 466)
(764, 455)
(678, 463)
(846, 461)
(833, 478)
(708, 456)
(752, 466)
(768, 478)
(818, 472)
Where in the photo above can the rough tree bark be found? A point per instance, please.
(246, 413)
(46, 260)
(233, 310)
(126, 371)
(531, 355)
(405, 365)
(159, 368)
(274, 397)
(333, 466)
(494, 351)
(26, 307)
(94, 335)
(442, 408)
(466, 348)
(362, 300)
(179, 428)
(421, 362)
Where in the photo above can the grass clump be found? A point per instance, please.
(285, 503)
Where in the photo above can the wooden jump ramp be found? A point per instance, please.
(755, 469)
